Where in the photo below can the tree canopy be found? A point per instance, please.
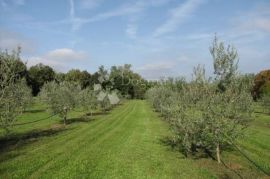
(261, 84)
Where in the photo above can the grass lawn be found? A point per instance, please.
(127, 142)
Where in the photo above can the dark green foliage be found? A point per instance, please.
(261, 84)
(127, 82)
(38, 75)
(81, 77)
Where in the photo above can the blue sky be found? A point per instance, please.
(158, 37)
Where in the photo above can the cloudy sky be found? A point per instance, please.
(158, 37)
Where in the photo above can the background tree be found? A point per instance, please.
(261, 84)
(60, 77)
(81, 77)
(38, 75)
(127, 82)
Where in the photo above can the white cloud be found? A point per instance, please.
(131, 30)
(66, 54)
(127, 9)
(60, 59)
(132, 26)
(156, 70)
(157, 66)
(36, 60)
(123, 10)
(177, 16)
(257, 19)
(89, 4)
(263, 24)
(11, 40)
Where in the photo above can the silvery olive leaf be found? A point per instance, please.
(97, 87)
(113, 98)
(101, 96)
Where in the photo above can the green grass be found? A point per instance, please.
(125, 143)
(255, 144)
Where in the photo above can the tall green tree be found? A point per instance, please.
(261, 84)
(81, 77)
(38, 75)
(225, 62)
(127, 82)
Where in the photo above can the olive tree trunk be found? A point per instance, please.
(65, 115)
(218, 153)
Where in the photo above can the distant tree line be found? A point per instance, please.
(122, 78)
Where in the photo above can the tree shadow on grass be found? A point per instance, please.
(263, 112)
(35, 111)
(199, 154)
(168, 141)
(196, 153)
(79, 120)
(14, 141)
(97, 113)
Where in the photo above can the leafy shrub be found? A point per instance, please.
(265, 100)
(88, 100)
(61, 97)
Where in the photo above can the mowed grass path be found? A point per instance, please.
(126, 143)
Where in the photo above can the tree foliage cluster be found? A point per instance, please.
(60, 97)
(207, 114)
(15, 95)
(261, 84)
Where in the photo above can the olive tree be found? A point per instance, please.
(212, 120)
(60, 97)
(88, 100)
(225, 107)
(25, 97)
(14, 93)
(187, 121)
(226, 115)
(265, 101)
(16, 97)
(103, 100)
(225, 60)
(208, 114)
(163, 100)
